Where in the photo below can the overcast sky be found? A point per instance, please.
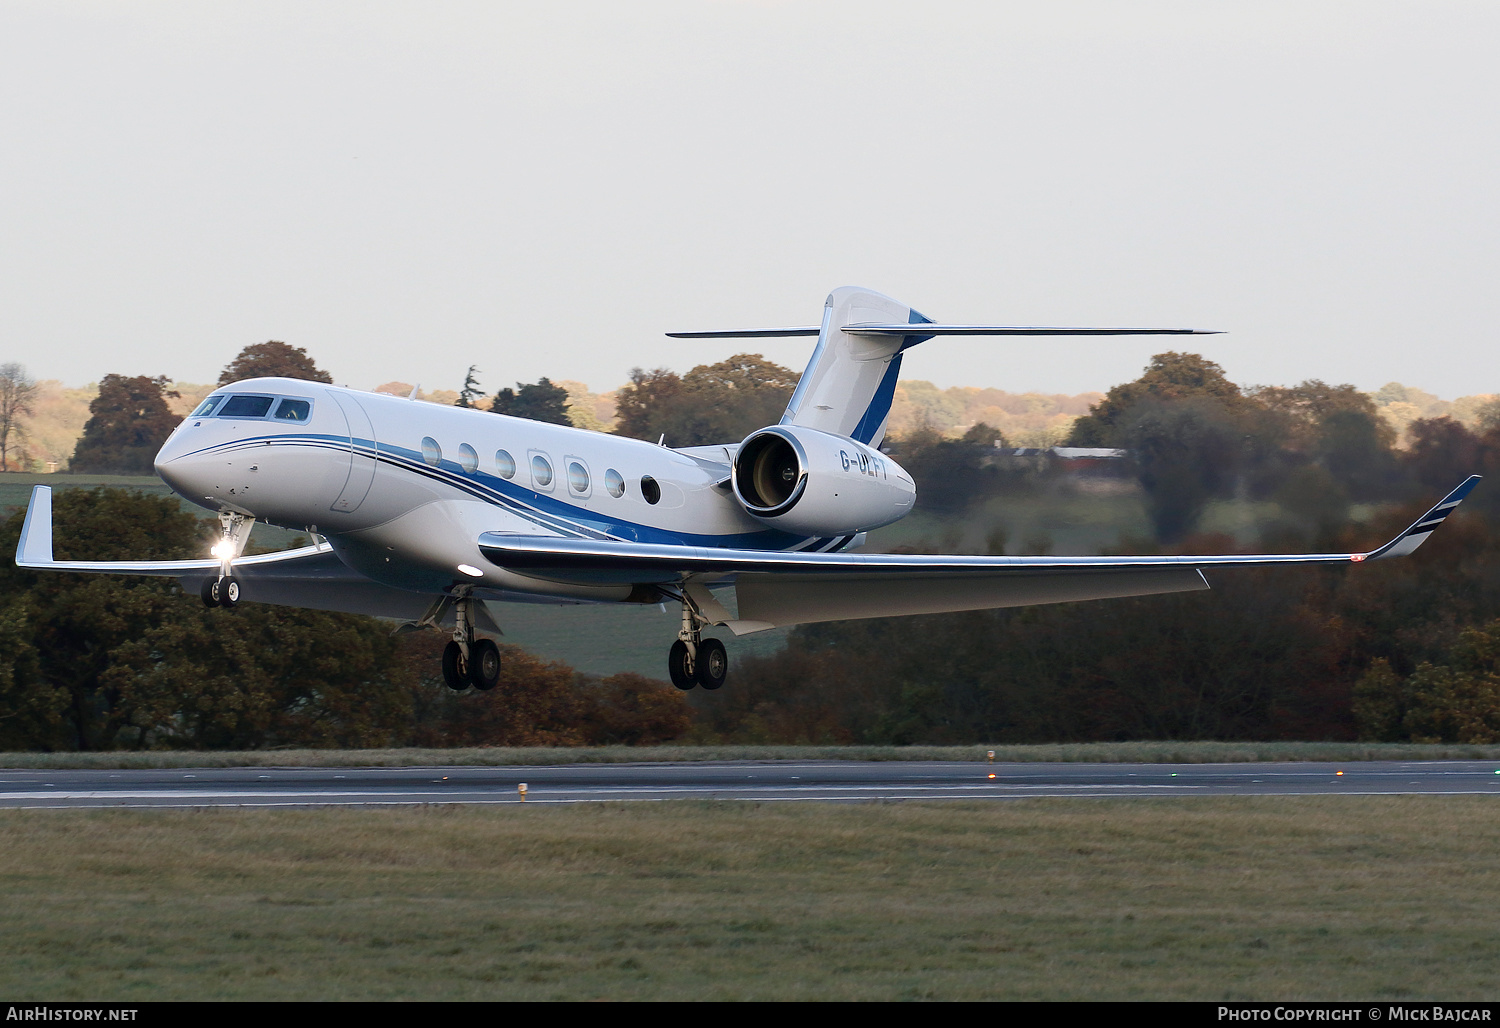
(545, 188)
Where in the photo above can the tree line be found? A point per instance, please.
(1401, 650)
(1396, 650)
(93, 662)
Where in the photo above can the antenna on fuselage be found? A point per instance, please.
(413, 394)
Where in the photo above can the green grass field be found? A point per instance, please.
(1209, 899)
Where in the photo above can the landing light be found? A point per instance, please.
(223, 549)
(471, 570)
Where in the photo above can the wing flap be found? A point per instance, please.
(775, 601)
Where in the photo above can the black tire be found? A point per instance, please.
(210, 592)
(484, 664)
(679, 666)
(229, 592)
(453, 668)
(713, 664)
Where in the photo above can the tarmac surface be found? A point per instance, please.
(739, 780)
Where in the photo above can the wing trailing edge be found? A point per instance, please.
(783, 588)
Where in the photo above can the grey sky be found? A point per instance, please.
(543, 189)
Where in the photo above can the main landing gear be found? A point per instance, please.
(466, 660)
(234, 532)
(694, 660)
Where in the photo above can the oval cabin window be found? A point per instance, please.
(541, 471)
(650, 490)
(578, 477)
(614, 482)
(468, 459)
(432, 453)
(505, 464)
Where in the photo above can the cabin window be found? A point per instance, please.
(615, 483)
(650, 490)
(505, 464)
(207, 407)
(293, 410)
(578, 477)
(246, 407)
(432, 453)
(541, 471)
(468, 458)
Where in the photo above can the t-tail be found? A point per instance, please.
(850, 381)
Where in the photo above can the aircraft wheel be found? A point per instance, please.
(680, 667)
(453, 667)
(229, 592)
(484, 664)
(713, 664)
(210, 592)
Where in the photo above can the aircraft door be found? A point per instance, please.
(361, 454)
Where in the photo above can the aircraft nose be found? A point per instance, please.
(182, 471)
(187, 472)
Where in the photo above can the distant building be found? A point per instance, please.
(1090, 461)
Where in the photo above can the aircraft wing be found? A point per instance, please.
(775, 588)
(309, 576)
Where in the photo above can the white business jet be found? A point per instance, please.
(428, 514)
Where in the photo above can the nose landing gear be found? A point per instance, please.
(234, 533)
(694, 660)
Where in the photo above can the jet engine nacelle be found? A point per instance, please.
(809, 482)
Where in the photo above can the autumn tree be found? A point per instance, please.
(537, 401)
(537, 703)
(951, 473)
(713, 403)
(1169, 376)
(17, 396)
(1455, 701)
(110, 662)
(638, 404)
(273, 360)
(128, 422)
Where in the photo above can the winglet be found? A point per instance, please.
(1417, 534)
(35, 546)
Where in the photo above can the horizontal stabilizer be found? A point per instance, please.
(747, 333)
(928, 329)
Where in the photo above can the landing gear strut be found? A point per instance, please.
(468, 661)
(234, 532)
(694, 660)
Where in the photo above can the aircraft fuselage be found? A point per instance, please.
(403, 489)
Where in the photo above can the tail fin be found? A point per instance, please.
(851, 379)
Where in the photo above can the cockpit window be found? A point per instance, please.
(246, 407)
(293, 410)
(207, 407)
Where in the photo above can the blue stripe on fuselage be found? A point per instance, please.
(540, 509)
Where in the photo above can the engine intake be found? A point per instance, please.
(809, 482)
(775, 474)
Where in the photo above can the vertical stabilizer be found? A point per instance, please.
(851, 379)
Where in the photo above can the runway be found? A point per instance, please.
(827, 781)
